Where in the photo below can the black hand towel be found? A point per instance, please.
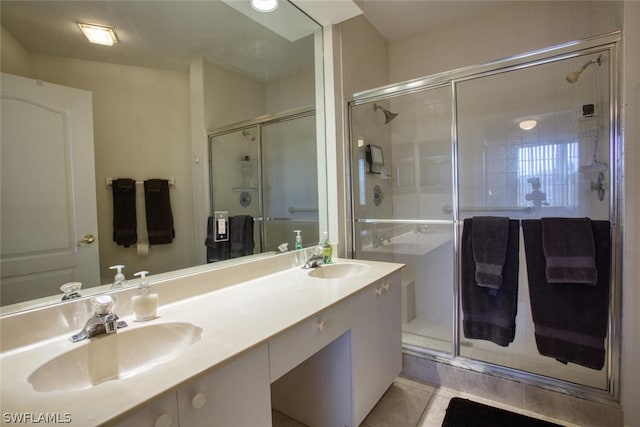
(158, 212)
(487, 316)
(569, 250)
(241, 235)
(570, 320)
(124, 211)
(216, 251)
(489, 240)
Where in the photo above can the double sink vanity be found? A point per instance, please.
(229, 344)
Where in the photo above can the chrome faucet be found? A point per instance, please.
(315, 260)
(103, 321)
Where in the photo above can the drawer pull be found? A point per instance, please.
(386, 287)
(164, 420)
(322, 325)
(379, 291)
(198, 400)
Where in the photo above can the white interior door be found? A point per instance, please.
(48, 189)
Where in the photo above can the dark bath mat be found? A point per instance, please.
(467, 413)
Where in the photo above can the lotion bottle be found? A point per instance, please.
(145, 304)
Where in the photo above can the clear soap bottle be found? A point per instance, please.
(145, 304)
(298, 239)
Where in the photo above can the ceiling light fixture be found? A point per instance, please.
(527, 124)
(98, 34)
(264, 5)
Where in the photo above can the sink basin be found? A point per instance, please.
(339, 271)
(116, 356)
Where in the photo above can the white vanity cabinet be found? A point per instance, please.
(236, 394)
(376, 344)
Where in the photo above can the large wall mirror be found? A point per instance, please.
(177, 70)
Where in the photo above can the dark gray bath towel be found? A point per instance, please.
(488, 316)
(570, 320)
(124, 211)
(489, 240)
(241, 235)
(569, 250)
(158, 212)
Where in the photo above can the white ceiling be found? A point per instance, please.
(400, 19)
(169, 34)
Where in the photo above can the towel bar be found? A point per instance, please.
(172, 182)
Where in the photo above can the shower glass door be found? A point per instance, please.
(402, 198)
(234, 176)
(531, 144)
(290, 181)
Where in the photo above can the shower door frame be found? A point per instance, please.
(259, 123)
(607, 42)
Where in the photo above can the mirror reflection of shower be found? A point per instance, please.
(388, 115)
(573, 76)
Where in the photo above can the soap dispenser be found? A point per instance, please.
(118, 280)
(145, 304)
(327, 251)
(298, 239)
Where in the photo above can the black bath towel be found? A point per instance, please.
(490, 315)
(216, 251)
(124, 211)
(569, 250)
(241, 235)
(158, 212)
(570, 319)
(489, 240)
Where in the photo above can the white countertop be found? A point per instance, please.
(234, 319)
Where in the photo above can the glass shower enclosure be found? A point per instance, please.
(266, 169)
(524, 138)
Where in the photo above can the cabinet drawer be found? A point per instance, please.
(292, 347)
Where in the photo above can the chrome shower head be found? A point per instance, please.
(388, 115)
(573, 76)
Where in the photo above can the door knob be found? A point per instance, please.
(88, 239)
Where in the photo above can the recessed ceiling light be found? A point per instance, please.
(98, 34)
(527, 124)
(264, 5)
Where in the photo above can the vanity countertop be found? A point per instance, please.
(233, 319)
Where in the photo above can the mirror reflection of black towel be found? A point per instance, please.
(241, 235)
(490, 314)
(240, 242)
(570, 318)
(124, 211)
(158, 212)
